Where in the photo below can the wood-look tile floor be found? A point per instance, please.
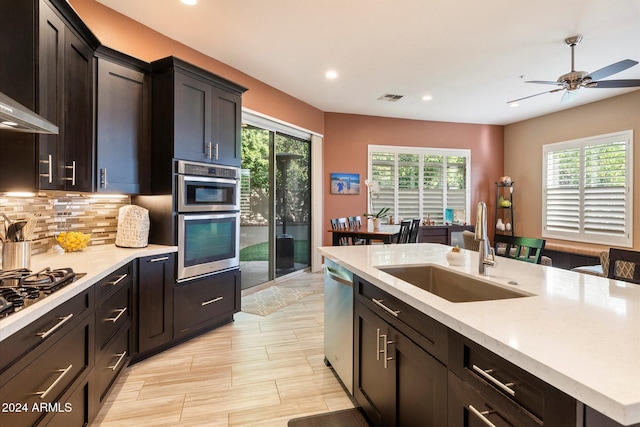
(254, 371)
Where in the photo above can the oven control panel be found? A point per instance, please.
(204, 169)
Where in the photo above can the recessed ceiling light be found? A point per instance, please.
(427, 98)
(514, 105)
(331, 74)
(189, 2)
(8, 123)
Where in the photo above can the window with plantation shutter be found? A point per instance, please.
(587, 190)
(419, 182)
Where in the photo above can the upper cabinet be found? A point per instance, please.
(122, 124)
(66, 69)
(197, 115)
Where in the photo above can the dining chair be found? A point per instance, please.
(340, 224)
(413, 231)
(469, 240)
(528, 249)
(355, 222)
(403, 235)
(624, 265)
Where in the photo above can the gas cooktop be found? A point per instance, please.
(21, 288)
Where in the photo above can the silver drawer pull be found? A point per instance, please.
(115, 319)
(481, 415)
(164, 258)
(212, 301)
(385, 351)
(121, 357)
(486, 374)
(379, 303)
(62, 321)
(118, 280)
(43, 394)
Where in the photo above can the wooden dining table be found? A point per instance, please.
(386, 233)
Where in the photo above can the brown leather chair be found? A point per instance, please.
(624, 265)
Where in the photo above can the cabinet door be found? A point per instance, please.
(122, 129)
(227, 112)
(373, 387)
(51, 81)
(155, 301)
(421, 383)
(78, 114)
(192, 115)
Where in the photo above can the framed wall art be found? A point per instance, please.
(345, 183)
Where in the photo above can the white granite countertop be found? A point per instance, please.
(579, 333)
(97, 261)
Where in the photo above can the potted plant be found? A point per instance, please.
(382, 213)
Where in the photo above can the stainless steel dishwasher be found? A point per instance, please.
(338, 321)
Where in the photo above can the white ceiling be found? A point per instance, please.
(469, 55)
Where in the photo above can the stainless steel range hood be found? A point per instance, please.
(18, 118)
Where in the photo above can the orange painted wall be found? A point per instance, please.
(128, 36)
(346, 143)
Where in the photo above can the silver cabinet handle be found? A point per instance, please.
(334, 276)
(212, 301)
(216, 151)
(386, 351)
(379, 303)
(121, 357)
(49, 175)
(481, 415)
(62, 321)
(209, 150)
(164, 258)
(378, 351)
(115, 319)
(486, 375)
(118, 280)
(103, 178)
(43, 394)
(73, 173)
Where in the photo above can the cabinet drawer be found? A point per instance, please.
(200, 302)
(112, 314)
(120, 278)
(506, 383)
(425, 331)
(43, 332)
(112, 360)
(467, 407)
(73, 409)
(50, 375)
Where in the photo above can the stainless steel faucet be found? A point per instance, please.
(486, 255)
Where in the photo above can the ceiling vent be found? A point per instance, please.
(390, 98)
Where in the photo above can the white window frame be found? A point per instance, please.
(422, 151)
(582, 235)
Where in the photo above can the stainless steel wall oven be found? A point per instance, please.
(208, 215)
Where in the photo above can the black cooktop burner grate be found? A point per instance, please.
(21, 287)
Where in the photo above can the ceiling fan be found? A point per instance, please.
(574, 80)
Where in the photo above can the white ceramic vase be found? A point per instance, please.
(376, 223)
(455, 258)
(500, 225)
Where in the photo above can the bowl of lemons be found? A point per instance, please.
(72, 241)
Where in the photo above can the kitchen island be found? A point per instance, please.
(578, 333)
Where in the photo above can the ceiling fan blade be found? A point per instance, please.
(531, 96)
(543, 82)
(617, 83)
(569, 96)
(612, 69)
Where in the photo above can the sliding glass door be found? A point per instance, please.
(275, 205)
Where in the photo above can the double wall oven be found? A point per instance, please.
(208, 215)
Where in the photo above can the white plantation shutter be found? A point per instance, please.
(416, 182)
(588, 190)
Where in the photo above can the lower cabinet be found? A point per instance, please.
(154, 301)
(396, 381)
(205, 303)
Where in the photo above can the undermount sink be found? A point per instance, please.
(450, 285)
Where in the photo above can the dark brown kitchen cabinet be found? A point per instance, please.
(196, 116)
(123, 123)
(66, 69)
(205, 303)
(154, 303)
(516, 394)
(396, 381)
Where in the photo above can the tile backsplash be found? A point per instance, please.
(61, 211)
